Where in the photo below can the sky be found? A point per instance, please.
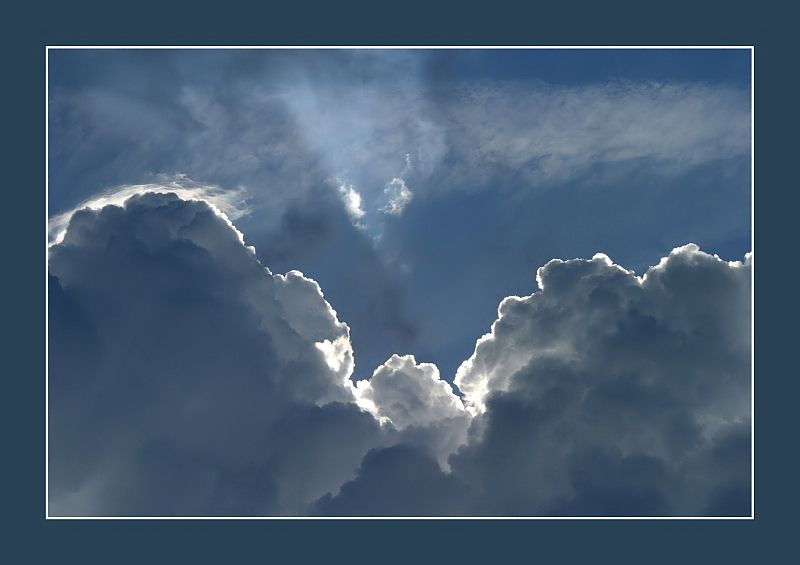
(399, 282)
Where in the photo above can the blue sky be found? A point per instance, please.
(418, 188)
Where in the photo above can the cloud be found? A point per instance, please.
(476, 135)
(416, 401)
(229, 204)
(397, 481)
(548, 134)
(280, 122)
(581, 302)
(179, 366)
(147, 292)
(351, 200)
(408, 393)
(186, 379)
(607, 393)
(603, 393)
(399, 196)
(367, 288)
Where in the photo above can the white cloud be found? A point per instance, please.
(540, 133)
(552, 133)
(414, 399)
(545, 325)
(409, 394)
(399, 196)
(352, 201)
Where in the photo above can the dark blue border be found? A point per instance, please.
(27, 32)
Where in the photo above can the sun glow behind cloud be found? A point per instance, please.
(228, 204)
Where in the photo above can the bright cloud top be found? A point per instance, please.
(228, 204)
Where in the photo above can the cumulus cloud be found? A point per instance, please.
(582, 301)
(607, 393)
(185, 378)
(282, 122)
(176, 358)
(603, 393)
(414, 399)
(408, 393)
(398, 481)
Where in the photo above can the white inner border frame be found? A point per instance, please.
(751, 48)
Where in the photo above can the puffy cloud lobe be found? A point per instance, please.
(416, 401)
(176, 358)
(408, 393)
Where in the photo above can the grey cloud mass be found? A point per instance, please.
(191, 370)
(186, 379)
(604, 394)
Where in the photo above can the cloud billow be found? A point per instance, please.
(187, 379)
